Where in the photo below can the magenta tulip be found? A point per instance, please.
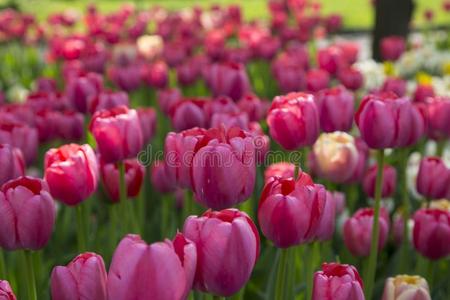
(108, 100)
(422, 92)
(147, 119)
(70, 126)
(431, 233)
(79, 90)
(293, 120)
(83, 278)
(395, 85)
(227, 249)
(331, 59)
(168, 98)
(71, 172)
(22, 136)
(27, 214)
(290, 211)
(6, 293)
(117, 132)
(281, 169)
(338, 282)
(229, 79)
(436, 111)
(326, 227)
(351, 78)
(253, 106)
(188, 114)
(387, 186)
(316, 80)
(159, 178)
(162, 270)
(392, 47)
(336, 108)
(156, 75)
(12, 162)
(433, 179)
(358, 231)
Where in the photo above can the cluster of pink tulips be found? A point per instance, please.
(192, 155)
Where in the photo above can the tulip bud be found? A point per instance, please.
(316, 80)
(335, 156)
(6, 292)
(436, 112)
(392, 47)
(431, 233)
(71, 172)
(12, 162)
(433, 179)
(290, 211)
(358, 231)
(388, 184)
(336, 108)
(167, 99)
(229, 79)
(293, 120)
(381, 119)
(117, 132)
(395, 85)
(162, 270)
(79, 90)
(330, 59)
(22, 136)
(188, 114)
(27, 214)
(281, 169)
(156, 75)
(227, 247)
(337, 282)
(147, 119)
(253, 106)
(83, 278)
(406, 287)
(134, 176)
(351, 78)
(159, 178)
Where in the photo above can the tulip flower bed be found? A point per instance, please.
(194, 155)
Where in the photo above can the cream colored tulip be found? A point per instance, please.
(150, 46)
(406, 287)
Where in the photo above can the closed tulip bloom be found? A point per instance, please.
(392, 47)
(396, 85)
(159, 178)
(431, 233)
(406, 287)
(253, 106)
(336, 109)
(12, 162)
(358, 231)
(6, 292)
(108, 100)
(422, 92)
(293, 120)
(156, 75)
(188, 114)
(167, 98)
(162, 270)
(27, 214)
(436, 111)
(433, 179)
(316, 80)
(79, 90)
(83, 278)
(350, 50)
(223, 168)
(70, 125)
(117, 132)
(335, 156)
(331, 59)
(280, 169)
(290, 211)
(147, 118)
(382, 120)
(351, 78)
(127, 78)
(71, 172)
(134, 176)
(290, 76)
(229, 79)
(387, 186)
(327, 223)
(22, 136)
(227, 249)
(229, 120)
(337, 282)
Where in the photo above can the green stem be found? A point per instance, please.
(440, 146)
(123, 199)
(372, 263)
(217, 298)
(406, 207)
(31, 281)
(166, 204)
(283, 284)
(81, 232)
(2, 265)
(310, 258)
(304, 159)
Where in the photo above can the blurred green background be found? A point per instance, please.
(358, 14)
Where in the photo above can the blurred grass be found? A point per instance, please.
(357, 13)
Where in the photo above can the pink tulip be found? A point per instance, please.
(134, 176)
(326, 227)
(395, 85)
(290, 211)
(361, 166)
(293, 120)
(27, 214)
(316, 80)
(431, 233)
(188, 114)
(253, 106)
(156, 75)
(229, 79)
(422, 92)
(159, 178)
(22, 136)
(337, 282)
(349, 50)
(289, 72)
(381, 120)
(281, 169)
(108, 100)
(387, 186)
(79, 90)
(127, 78)
(433, 179)
(227, 249)
(168, 98)
(83, 278)
(392, 47)
(229, 120)
(336, 109)
(398, 228)
(358, 231)
(147, 118)
(351, 78)
(6, 292)
(162, 270)
(12, 162)
(70, 125)
(71, 172)
(436, 111)
(117, 132)
(331, 59)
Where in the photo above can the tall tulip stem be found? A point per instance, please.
(30, 276)
(312, 251)
(372, 263)
(284, 283)
(123, 201)
(2, 265)
(406, 211)
(81, 228)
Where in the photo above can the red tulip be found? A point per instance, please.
(358, 231)
(392, 47)
(12, 162)
(336, 108)
(71, 172)
(396, 85)
(227, 249)
(422, 92)
(337, 282)
(22, 136)
(381, 120)
(431, 233)
(281, 169)
(27, 214)
(162, 270)
(134, 176)
(117, 132)
(290, 211)
(316, 80)
(6, 292)
(331, 59)
(83, 278)
(229, 79)
(387, 186)
(293, 120)
(147, 119)
(159, 178)
(351, 78)
(433, 179)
